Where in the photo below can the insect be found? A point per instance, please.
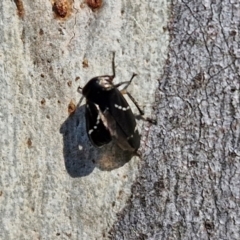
(108, 115)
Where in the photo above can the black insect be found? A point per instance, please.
(108, 115)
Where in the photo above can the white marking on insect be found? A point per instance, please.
(95, 127)
(90, 131)
(121, 108)
(130, 137)
(136, 128)
(98, 119)
(107, 120)
(125, 108)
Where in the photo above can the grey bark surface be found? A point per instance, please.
(55, 185)
(189, 183)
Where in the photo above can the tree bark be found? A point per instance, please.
(189, 183)
(55, 185)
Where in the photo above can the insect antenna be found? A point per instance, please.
(113, 66)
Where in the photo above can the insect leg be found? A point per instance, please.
(124, 91)
(79, 90)
(153, 121)
(126, 82)
(80, 101)
(135, 102)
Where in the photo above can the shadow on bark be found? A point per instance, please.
(80, 156)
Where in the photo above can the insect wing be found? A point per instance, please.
(128, 135)
(97, 132)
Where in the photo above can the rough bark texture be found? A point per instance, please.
(189, 184)
(55, 185)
